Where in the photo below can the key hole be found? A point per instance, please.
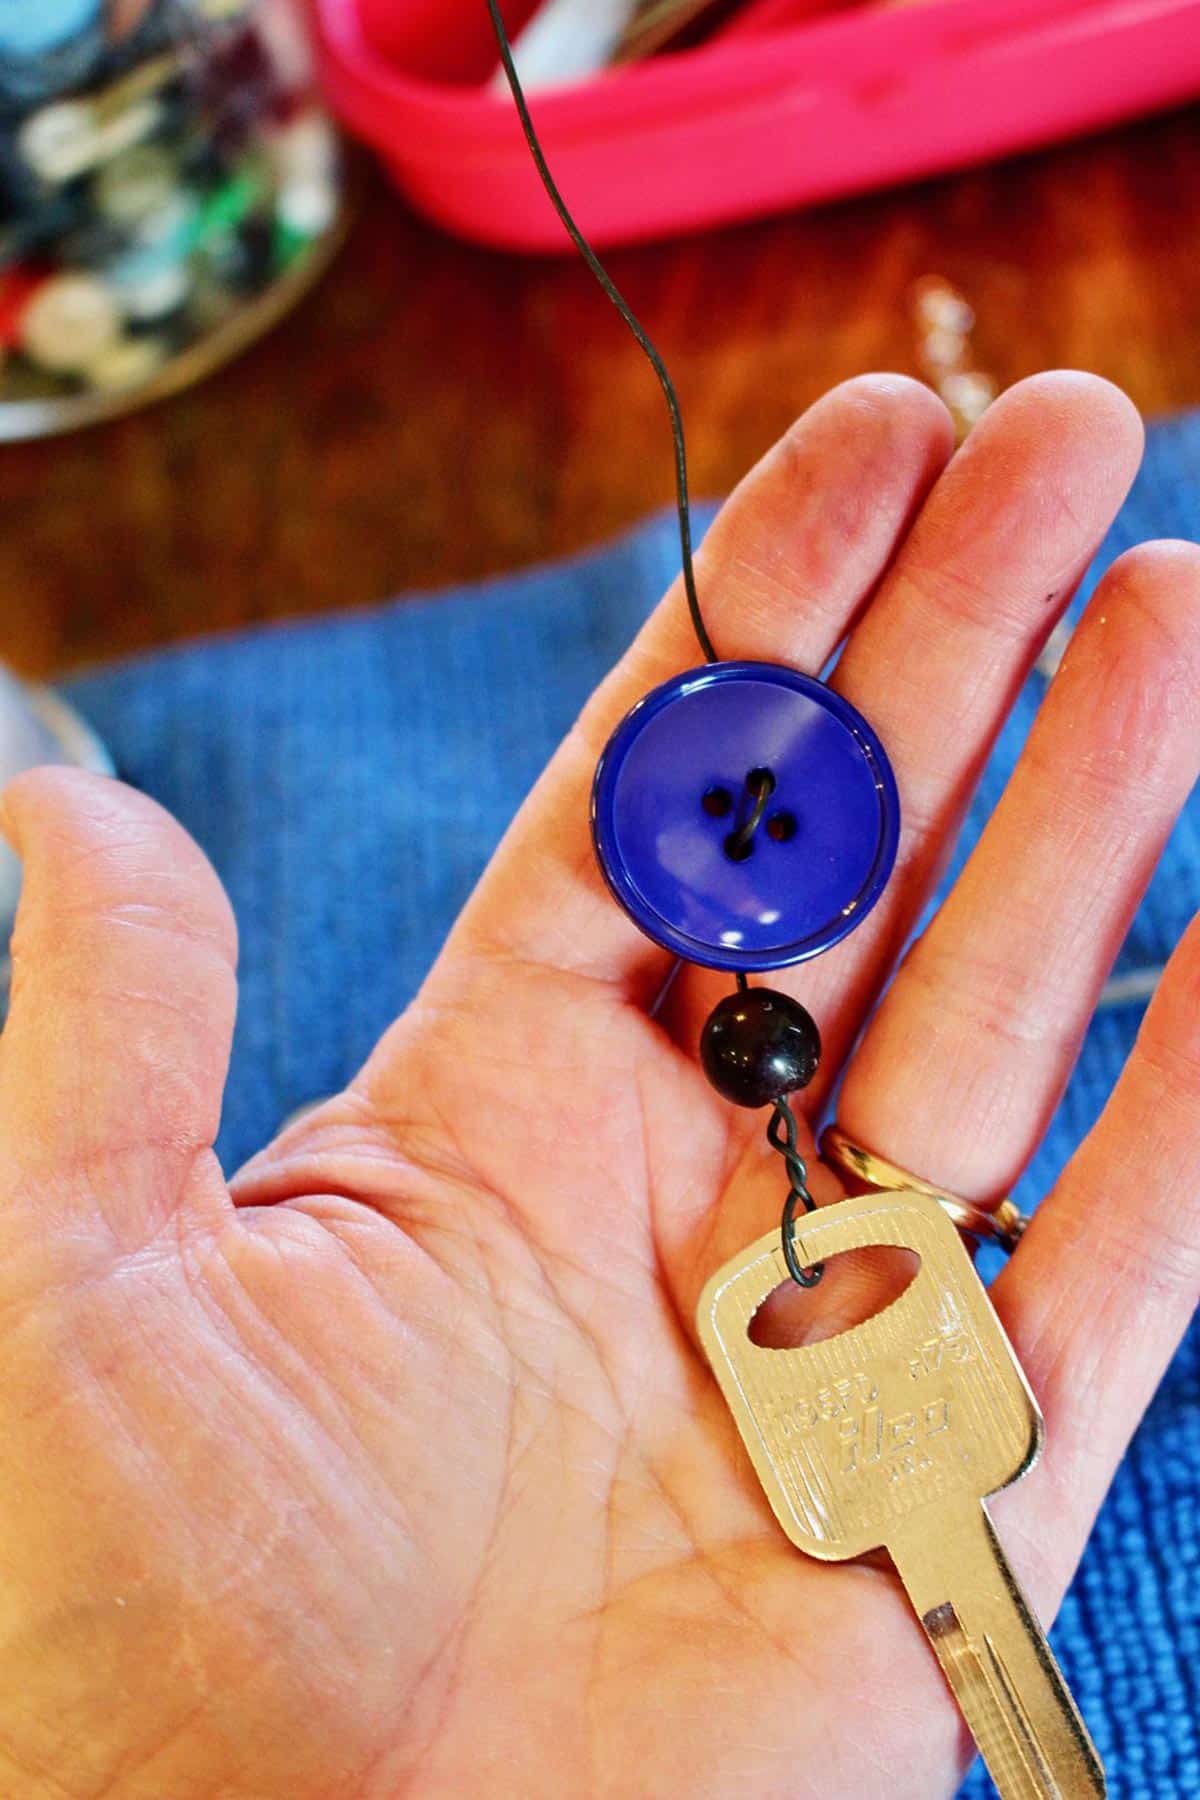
(857, 1285)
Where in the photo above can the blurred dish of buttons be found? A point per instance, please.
(168, 189)
(745, 816)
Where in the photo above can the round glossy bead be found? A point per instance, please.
(745, 816)
(758, 1046)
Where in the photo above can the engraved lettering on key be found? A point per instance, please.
(862, 1439)
(956, 1347)
(886, 1464)
(865, 1436)
(902, 1431)
(835, 1401)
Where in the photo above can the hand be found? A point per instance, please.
(394, 1469)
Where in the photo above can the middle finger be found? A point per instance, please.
(939, 657)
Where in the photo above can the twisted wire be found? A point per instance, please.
(782, 1136)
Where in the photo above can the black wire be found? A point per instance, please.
(782, 1136)
(606, 282)
(805, 1278)
(738, 840)
(781, 1131)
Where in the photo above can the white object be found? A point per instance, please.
(308, 207)
(1050, 661)
(567, 40)
(1136, 987)
(61, 140)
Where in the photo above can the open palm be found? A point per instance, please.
(395, 1469)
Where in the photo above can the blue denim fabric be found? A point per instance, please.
(349, 779)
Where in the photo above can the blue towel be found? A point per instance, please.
(350, 777)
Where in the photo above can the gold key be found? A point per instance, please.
(892, 1435)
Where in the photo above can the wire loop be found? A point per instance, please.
(737, 844)
(782, 1136)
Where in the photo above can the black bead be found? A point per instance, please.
(758, 1046)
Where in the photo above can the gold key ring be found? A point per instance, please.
(1003, 1224)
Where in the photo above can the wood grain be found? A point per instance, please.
(437, 412)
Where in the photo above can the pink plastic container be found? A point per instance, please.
(759, 120)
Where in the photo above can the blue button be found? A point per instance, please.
(680, 778)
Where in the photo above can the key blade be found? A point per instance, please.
(996, 1659)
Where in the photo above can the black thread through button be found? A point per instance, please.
(760, 785)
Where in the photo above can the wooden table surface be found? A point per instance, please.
(436, 412)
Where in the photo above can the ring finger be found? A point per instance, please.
(966, 1058)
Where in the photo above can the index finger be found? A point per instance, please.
(788, 564)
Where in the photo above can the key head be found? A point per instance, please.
(921, 1406)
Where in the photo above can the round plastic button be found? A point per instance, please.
(681, 778)
(71, 319)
